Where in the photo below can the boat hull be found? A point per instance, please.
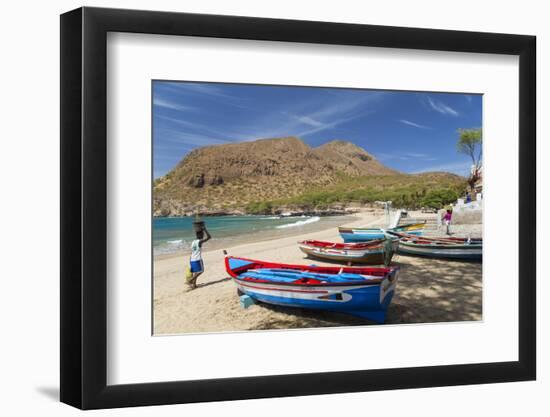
(369, 256)
(365, 236)
(368, 300)
(439, 247)
(473, 252)
(354, 235)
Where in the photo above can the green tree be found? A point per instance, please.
(438, 198)
(259, 207)
(470, 143)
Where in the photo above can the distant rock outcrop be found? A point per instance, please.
(350, 159)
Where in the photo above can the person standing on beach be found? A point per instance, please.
(197, 266)
(468, 197)
(447, 220)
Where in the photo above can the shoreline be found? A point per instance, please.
(326, 213)
(262, 236)
(429, 291)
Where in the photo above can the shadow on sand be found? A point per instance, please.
(206, 284)
(436, 290)
(429, 291)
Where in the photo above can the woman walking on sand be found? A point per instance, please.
(447, 220)
(196, 264)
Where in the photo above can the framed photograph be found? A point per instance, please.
(258, 208)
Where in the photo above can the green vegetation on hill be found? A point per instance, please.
(259, 207)
(405, 191)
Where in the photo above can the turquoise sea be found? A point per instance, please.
(175, 234)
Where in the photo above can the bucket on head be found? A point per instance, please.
(198, 226)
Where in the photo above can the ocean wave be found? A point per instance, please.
(299, 223)
(271, 218)
(170, 246)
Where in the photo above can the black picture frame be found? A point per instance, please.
(84, 207)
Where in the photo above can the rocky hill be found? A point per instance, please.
(226, 178)
(346, 158)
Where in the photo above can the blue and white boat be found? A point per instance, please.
(362, 292)
(362, 234)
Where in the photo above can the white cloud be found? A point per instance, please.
(409, 123)
(405, 156)
(305, 118)
(210, 91)
(181, 122)
(308, 121)
(201, 129)
(198, 88)
(300, 119)
(460, 168)
(441, 107)
(167, 104)
(330, 125)
(188, 138)
(416, 155)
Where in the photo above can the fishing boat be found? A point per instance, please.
(360, 234)
(364, 292)
(439, 247)
(374, 252)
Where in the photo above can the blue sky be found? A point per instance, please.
(409, 131)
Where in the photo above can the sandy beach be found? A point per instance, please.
(428, 291)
